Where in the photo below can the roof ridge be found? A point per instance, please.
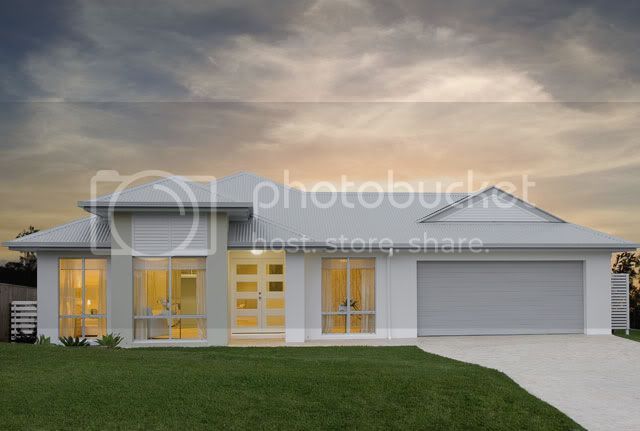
(203, 187)
(139, 186)
(53, 229)
(452, 204)
(280, 225)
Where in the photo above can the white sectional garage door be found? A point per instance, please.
(476, 298)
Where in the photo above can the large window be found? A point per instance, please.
(83, 297)
(169, 298)
(348, 295)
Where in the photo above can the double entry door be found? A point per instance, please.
(257, 296)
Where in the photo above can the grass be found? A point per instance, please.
(634, 334)
(49, 387)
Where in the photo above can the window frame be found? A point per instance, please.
(83, 316)
(348, 313)
(171, 316)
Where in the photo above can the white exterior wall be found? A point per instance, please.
(294, 298)
(395, 308)
(401, 305)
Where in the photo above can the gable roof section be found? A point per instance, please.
(83, 233)
(490, 205)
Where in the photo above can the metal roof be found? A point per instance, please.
(298, 217)
(167, 192)
(84, 233)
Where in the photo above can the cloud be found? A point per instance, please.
(323, 88)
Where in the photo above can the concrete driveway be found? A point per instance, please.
(593, 379)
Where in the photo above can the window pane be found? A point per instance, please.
(70, 327)
(334, 285)
(188, 287)
(95, 284)
(363, 323)
(246, 286)
(275, 269)
(95, 328)
(91, 263)
(246, 269)
(246, 304)
(334, 324)
(276, 286)
(151, 329)
(151, 287)
(70, 287)
(70, 263)
(189, 329)
(363, 274)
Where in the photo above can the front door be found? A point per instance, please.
(257, 296)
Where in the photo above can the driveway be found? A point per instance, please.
(593, 379)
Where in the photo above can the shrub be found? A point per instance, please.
(110, 341)
(42, 340)
(73, 342)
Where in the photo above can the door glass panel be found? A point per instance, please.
(246, 269)
(276, 286)
(275, 321)
(247, 304)
(275, 303)
(246, 286)
(275, 269)
(247, 321)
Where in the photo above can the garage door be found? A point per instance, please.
(474, 298)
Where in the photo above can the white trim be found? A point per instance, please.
(598, 331)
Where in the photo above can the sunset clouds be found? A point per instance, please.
(323, 88)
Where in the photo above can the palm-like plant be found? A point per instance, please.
(110, 341)
(73, 342)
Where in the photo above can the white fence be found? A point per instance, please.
(24, 317)
(620, 301)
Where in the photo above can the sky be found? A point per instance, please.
(428, 89)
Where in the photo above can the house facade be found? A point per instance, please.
(180, 263)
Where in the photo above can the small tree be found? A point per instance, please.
(23, 271)
(28, 259)
(629, 263)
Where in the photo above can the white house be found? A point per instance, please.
(175, 262)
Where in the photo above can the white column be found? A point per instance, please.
(48, 295)
(216, 276)
(294, 298)
(597, 294)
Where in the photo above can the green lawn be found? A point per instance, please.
(47, 387)
(634, 334)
